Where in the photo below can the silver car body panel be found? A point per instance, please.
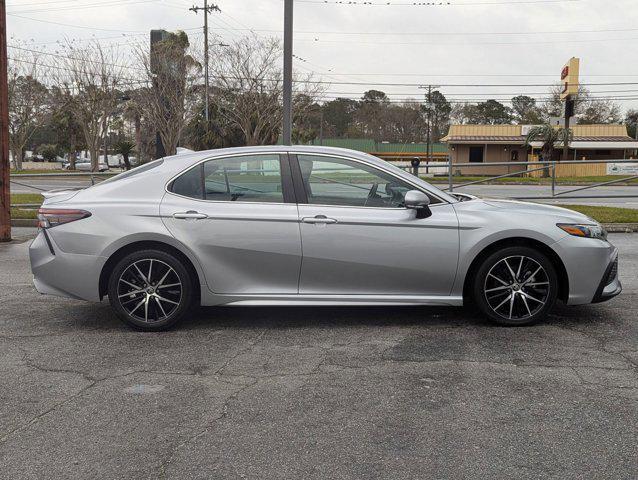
(263, 254)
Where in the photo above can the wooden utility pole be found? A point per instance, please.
(207, 9)
(429, 120)
(5, 196)
(287, 93)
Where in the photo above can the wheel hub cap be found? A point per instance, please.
(516, 287)
(149, 290)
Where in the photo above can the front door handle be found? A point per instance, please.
(322, 219)
(191, 214)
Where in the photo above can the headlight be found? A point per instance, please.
(583, 230)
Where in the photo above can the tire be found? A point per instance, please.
(515, 286)
(157, 306)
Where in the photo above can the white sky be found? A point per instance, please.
(467, 42)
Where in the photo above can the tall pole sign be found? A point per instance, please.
(287, 126)
(569, 77)
(5, 197)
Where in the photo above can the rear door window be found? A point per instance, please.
(245, 178)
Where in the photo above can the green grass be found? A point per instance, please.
(20, 198)
(41, 170)
(535, 181)
(606, 214)
(21, 213)
(26, 198)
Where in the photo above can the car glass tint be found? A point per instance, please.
(189, 183)
(337, 181)
(248, 178)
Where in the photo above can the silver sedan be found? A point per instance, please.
(310, 226)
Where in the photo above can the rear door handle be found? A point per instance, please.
(318, 219)
(191, 214)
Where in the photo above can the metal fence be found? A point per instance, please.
(440, 170)
(531, 167)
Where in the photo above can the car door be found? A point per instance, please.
(238, 216)
(358, 238)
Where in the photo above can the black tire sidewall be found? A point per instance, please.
(479, 281)
(184, 277)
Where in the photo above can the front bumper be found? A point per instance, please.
(610, 285)
(588, 263)
(56, 272)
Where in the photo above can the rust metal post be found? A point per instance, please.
(5, 196)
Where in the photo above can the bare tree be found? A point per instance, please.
(249, 88)
(28, 100)
(588, 109)
(92, 77)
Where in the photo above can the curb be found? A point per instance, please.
(621, 227)
(610, 227)
(24, 222)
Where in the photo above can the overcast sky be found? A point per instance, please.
(465, 42)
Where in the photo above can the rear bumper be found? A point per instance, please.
(64, 274)
(610, 285)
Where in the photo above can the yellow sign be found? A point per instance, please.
(569, 78)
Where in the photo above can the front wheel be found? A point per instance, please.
(150, 290)
(516, 286)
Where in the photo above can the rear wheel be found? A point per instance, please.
(516, 286)
(150, 290)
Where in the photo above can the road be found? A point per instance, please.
(316, 393)
(34, 185)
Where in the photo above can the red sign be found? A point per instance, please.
(564, 73)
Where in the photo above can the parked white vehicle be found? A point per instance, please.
(84, 165)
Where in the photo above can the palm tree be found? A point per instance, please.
(125, 148)
(550, 136)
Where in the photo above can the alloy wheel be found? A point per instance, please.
(517, 287)
(149, 290)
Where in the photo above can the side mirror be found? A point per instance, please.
(419, 201)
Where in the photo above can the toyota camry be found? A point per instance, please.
(310, 226)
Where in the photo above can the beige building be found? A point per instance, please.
(506, 143)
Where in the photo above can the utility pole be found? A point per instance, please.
(207, 9)
(287, 127)
(429, 121)
(5, 196)
(105, 144)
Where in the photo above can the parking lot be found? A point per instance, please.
(316, 393)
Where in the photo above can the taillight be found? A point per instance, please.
(50, 217)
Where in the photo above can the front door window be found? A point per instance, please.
(336, 181)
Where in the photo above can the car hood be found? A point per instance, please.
(539, 209)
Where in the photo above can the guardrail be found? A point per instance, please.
(446, 168)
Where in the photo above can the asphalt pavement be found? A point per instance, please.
(316, 393)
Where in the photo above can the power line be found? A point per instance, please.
(74, 26)
(435, 34)
(83, 7)
(429, 4)
(465, 44)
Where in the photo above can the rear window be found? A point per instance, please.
(135, 171)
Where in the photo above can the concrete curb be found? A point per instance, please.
(621, 227)
(610, 227)
(24, 222)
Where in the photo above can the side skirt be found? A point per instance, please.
(330, 300)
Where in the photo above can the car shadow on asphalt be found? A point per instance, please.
(101, 317)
